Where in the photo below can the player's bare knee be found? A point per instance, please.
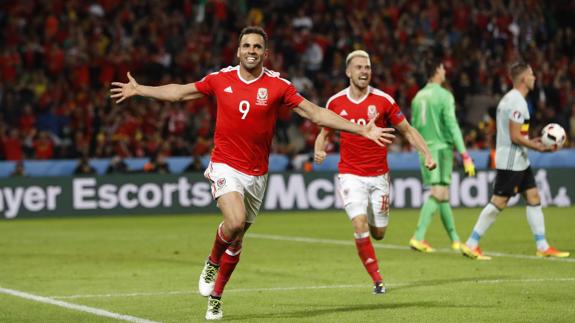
(499, 202)
(234, 227)
(359, 223)
(532, 197)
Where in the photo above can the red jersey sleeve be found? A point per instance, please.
(206, 85)
(291, 97)
(395, 115)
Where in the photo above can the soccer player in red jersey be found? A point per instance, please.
(363, 171)
(248, 100)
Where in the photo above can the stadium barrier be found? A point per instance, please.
(190, 193)
(278, 163)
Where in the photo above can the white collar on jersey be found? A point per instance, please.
(251, 81)
(360, 100)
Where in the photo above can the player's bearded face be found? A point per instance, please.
(251, 51)
(359, 72)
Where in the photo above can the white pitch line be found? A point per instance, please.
(526, 280)
(293, 288)
(136, 294)
(239, 290)
(76, 307)
(390, 246)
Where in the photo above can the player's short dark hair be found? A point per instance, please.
(431, 65)
(517, 69)
(254, 30)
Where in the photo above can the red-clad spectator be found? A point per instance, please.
(202, 146)
(51, 26)
(82, 144)
(10, 61)
(27, 122)
(127, 127)
(152, 143)
(152, 119)
(12, 145)
(309, 131)
(43, 146)
(177, 121)
(55, 59)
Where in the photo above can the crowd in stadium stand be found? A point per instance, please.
(58, 58)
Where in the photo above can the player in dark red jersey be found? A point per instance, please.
(363, 171)
(248, 98)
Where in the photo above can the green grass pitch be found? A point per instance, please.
(295, 267)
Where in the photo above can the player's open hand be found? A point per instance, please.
(381, 136)
(121, 91)
(319, 156)
(430, 163)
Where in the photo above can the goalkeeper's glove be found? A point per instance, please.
(468, 164)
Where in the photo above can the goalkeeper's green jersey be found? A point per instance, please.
(433, 115)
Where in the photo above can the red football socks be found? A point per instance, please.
(368, 259)
(227, 265)
(221, 243)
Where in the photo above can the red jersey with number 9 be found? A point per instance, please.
(246, 116)
(359, 155)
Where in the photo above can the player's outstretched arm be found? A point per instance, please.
(518, 139)
(327, 118)
(415, 139)
(321, 142)
(170, 92)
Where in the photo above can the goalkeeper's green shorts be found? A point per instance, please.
(441, 175)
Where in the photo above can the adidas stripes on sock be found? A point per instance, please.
(367, 255)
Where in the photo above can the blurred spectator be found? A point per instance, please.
(18, 169)
(195, 165)
(11, 144)
(43, 146)
(157, 164)
(117, 166)
(84, 167)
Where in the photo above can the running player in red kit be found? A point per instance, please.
(363, 171)
(248, 100)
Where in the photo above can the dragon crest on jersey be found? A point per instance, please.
(262, 97)
(371, 112)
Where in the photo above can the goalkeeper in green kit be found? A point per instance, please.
(433, 115)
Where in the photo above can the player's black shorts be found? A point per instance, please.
(510, 182)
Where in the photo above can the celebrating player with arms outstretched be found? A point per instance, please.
(363, 171)
(514, 174)
(248, 99)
